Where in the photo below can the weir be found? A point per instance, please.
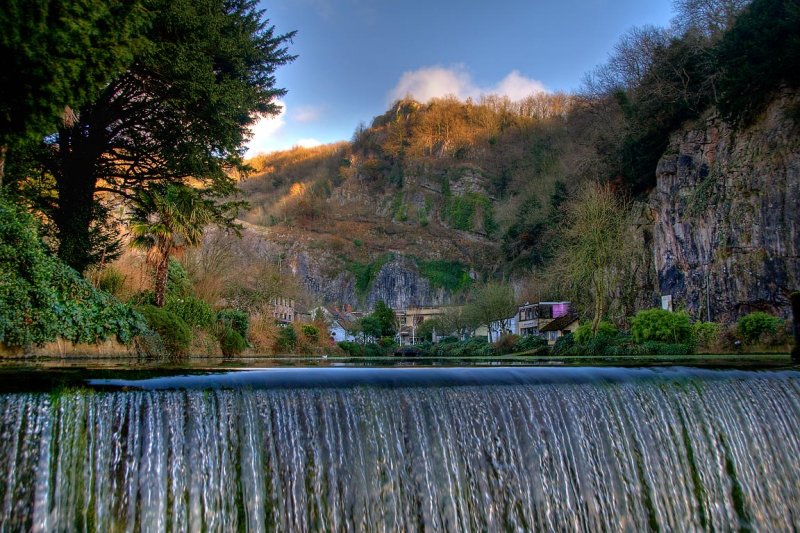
(407, 449)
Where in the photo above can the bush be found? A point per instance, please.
(661, 325)
(584, 334)
(231, 342)
(529, 342)
(705, 334)
(178, 283)
(505, 344)
(287, 339)
(42, 298)
(176, 334)
(239, 321)
(111, 281)
(310, 332)
(751, 327)
(352, 349)
(564, 344)
(192, 310)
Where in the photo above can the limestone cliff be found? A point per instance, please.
(726, 216)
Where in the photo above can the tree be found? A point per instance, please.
(55, 55)
(387, 318)
(757, 56)
(165, 219)
(596, 247)
(180, 112)
(493, 302)
(711, 18)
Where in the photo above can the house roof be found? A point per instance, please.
(560, 323)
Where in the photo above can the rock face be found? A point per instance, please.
(726, 216)
(398, 283)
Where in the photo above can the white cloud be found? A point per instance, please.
(432, 82)
(307, 113)
(307, 143)
(517, 87)
(264, 132)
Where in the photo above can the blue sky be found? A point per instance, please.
(356, 56)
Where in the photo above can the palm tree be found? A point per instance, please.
(166, 218)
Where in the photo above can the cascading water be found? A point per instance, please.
(603, 450)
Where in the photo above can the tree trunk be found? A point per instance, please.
(162, 273)
(3, 152)
(796, 321)
(75, 183)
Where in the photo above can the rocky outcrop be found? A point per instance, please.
(397, 282)
(726, 216)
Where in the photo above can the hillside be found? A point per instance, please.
(426, 198)
(694, 128)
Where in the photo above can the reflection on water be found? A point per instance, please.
(406, 449)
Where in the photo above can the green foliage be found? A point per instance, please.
(57, 54)
(758, 55)
(354, 349)
(527, 343)
(564, 345)
(235, 319)
(178, 283)
(42, 299)
(705, 333)
(371, 327)
(111, 281)
(365, 272)
(661, 325)
(387, 319)
(192, 310)
(584, 334)
(752, 326)
(174, 332)
(460, 211)
(310, 331)
(287, 338)
(231, 342)
(182, 110)
(450, 275)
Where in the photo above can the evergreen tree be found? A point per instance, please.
(55, 55)
(181, 111)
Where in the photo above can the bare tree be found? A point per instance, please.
(711, 18)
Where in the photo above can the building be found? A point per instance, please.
(283, 310)
(559, 327)
(498, 328)
(408, 320)
(531, 318)
(340, 322)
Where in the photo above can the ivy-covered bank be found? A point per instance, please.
(42, 299)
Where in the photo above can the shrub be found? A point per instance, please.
(505, 344)
(192, 310)
(287, 338)
(529, 342)
(352, 349)
(178, 283)
(42, 298)
(564, 344)
(584, 334)
(705, 333)
(661, 325)
(235, 319)
(231, 342)
(752, 326)
(176, 334)
(111, 281)
(310, 332)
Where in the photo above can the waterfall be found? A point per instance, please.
(647, 450)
